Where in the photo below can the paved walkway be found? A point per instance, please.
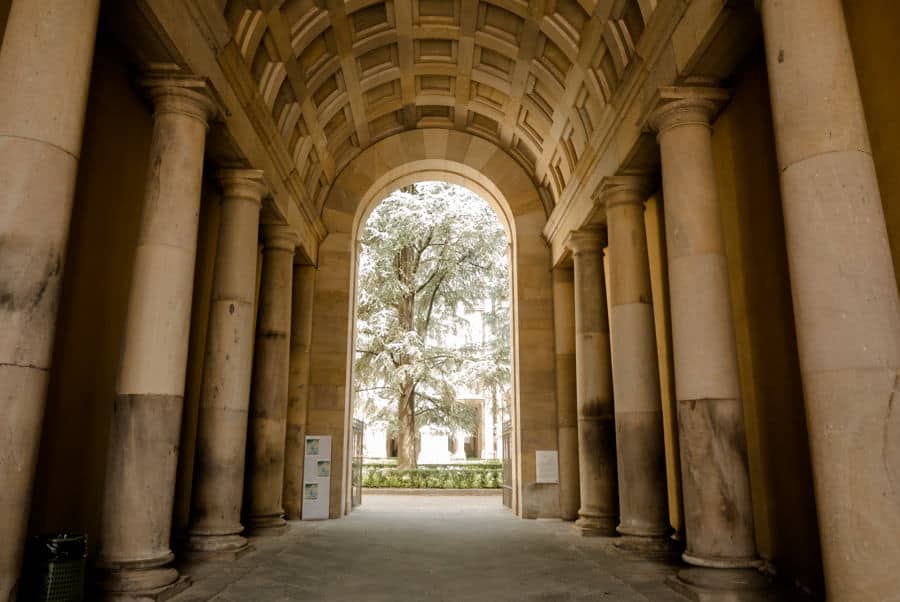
(399, 548)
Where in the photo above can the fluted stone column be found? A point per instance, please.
(304, 284)
(845, 295)
(716, 482)
(598, 514)
(643, 502)
(222, 421)
(268, 403)
(146, 421)
(566, 391)
(45, 67)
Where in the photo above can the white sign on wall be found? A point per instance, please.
(546, 466)
(316, 477)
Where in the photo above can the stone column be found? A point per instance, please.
(304, 283)
(268, 403)
(643, 502)
(845, 295)
(566, 395)
(45, 68)
(225, 398)
(146, 423)
(599, 513)
(716, 482)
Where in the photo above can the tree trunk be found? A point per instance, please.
(406, 404)
(406, 436)
(494, 418)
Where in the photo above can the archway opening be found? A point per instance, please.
(432, 371)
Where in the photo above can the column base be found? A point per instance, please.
(132, 588)
(215, 547)
(723, 585)
(655, 546)
(597, 526)
(266, 526)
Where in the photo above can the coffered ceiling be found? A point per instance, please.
(534, 77)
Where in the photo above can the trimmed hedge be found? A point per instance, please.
(435, 476)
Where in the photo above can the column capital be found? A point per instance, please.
(245, 184)
(278, 236)
(186, 95)
(590, 239)
(682, 105)
(624, 190)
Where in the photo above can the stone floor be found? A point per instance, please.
(431, 548)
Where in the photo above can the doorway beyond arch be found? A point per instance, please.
(459, 158)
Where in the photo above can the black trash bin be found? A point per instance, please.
(55, 568)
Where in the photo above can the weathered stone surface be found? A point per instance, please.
(846, 303)
(45, 68)
(222, 423)
(638, 407)
(715, 479)
(598, 514)
(566, 391)
(298, 388)
(269, 401)
(146, 425)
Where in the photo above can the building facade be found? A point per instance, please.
(704, 215)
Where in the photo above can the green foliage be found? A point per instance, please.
(427, 251)
(486, 475)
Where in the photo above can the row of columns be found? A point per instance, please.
(244, 399)
(848, 329)
(41, 120)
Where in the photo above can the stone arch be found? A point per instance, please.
(486, 169)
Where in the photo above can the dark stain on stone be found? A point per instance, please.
(12, 297)
(231, 308)
(273, 335)
(781, 56)
(891, 447)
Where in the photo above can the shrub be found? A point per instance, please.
(482, 475)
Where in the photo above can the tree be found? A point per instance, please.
(428, 251)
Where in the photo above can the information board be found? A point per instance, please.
(316, 477)
(546, 466)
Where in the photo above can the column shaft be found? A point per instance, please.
(718, 510)
(845, 295)
(598, 514)
(222, 421)
(268, 403)
(566, 391)
(643, 503)
(45, 65)
(304, 283)
(144, 435)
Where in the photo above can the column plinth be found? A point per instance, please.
(304, 284)
(222, 421)
(45, 68)
(843, 283)
(643, 502)
(566, 391)
(598, 514)
(716, 482)
(268, 404)
(144, 436)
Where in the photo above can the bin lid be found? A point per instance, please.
(60, 546)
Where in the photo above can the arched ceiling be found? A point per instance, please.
(536, 78)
